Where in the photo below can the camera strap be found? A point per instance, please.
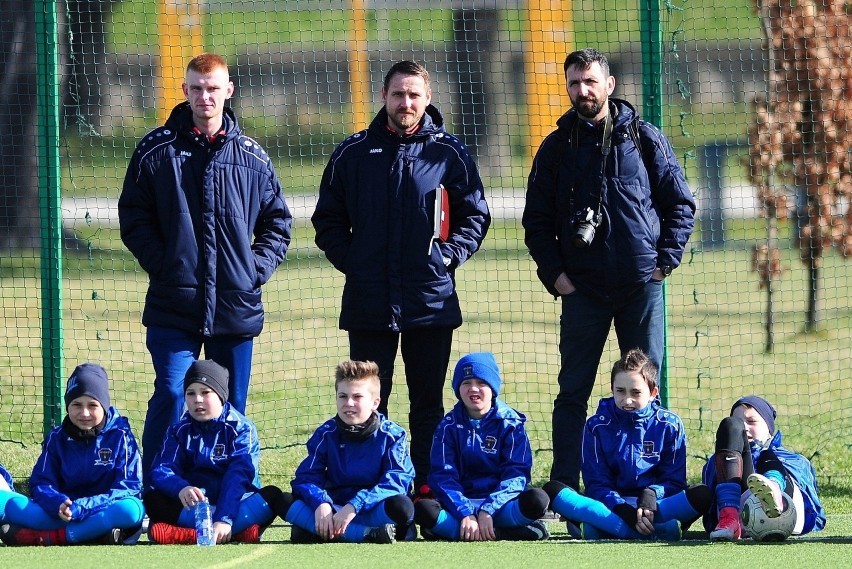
(606, 146)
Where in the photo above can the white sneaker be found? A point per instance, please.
(769, 494)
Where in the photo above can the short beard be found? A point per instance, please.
(595, 109)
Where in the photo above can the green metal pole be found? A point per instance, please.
(49, 208)
(651, 33)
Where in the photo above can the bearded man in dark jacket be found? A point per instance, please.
(607, 217)
(375, 221)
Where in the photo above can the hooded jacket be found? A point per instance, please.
(375, 216)
(221, 456)
(647, 207)
(800, 470)
(93, 472)
(207, 221)
(362, 473)
(489, 461)
(626, 452)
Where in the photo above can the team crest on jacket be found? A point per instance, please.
(648, 449)
(218, 452)
(489, 445)
(104, 457)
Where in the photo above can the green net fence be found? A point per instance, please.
(753, 95)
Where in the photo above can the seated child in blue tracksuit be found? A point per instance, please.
(212, 453)
(86, 484)
(749, 458)
(634, 464)
(353, 484)
(481, 464)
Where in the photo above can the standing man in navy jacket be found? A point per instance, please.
(607, 217)
(203, 213)
(374, 220)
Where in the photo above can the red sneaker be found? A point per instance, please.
(249, 535)
(26, 536)
(728, 528)
(167, 534)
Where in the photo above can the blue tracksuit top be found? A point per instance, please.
(490, 462)
(221, 456)
(93, 473)
(626, 452)
(800, 470)
(361, 473)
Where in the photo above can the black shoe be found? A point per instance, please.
(7, 534)
(534, 531)
(406, 532)
(381, 534)
(299, 535)
(112, 537)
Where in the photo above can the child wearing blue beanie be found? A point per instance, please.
(481, 465)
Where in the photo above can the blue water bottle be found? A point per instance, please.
(204, 524)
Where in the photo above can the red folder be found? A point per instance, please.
(441, 219)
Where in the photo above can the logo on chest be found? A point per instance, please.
(648, 450)
(104, 457)
(218, 452)
(489, 445)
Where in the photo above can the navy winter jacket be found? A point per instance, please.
(490, 460)
(207, 222)
(374, 221)
(626, 452)
(222, 456)
(93, 472)
(647, 207)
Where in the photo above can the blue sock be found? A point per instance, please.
(728, 495)
(253, 510)
(675, 507)
(583, 509)
(777, 477)
(355, 533)
(667, 531)
(447, 527)
(186, 519)
(591, 533)
(302, 516)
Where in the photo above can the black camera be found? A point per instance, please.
(585, 223)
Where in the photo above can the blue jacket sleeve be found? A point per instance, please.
(515, 468)
(137, 216)
(272, 230)
(541, 214)
(444, 474)
(469, 214)
(310, 479)
(167, 473)
(671, 196)
(127, 479)
(331, 217)
(397, 474)
(243, 466)
(670, 476)
(44, 482)
(599, 479)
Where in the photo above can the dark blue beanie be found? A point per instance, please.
(478, 365)
(762, 406)
(209, 373)
(88, 379)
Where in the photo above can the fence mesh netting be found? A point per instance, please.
(755, 99)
